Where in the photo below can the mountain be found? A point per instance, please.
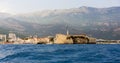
(96, 22)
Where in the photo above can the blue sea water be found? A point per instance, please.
(84, 53)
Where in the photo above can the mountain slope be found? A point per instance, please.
(96, 22)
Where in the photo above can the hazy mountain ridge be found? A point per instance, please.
(98, 22)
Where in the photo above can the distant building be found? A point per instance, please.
(118, 41)
(74, 39)
(2, 38)
(62, 39)
(12, 37)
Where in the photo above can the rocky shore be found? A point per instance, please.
(57, 39)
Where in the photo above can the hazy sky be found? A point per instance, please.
(24, 6)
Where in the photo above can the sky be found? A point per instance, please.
(25, 6)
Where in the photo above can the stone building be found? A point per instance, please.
(73, 39)
(44, 40)
(2, 38)
(62, 39)
(12, 37)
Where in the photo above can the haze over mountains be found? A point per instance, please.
(96, 22)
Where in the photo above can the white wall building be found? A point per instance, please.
(2, 38)
(12, 37)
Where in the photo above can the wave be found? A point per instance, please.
(59, 53)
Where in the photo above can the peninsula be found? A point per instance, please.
(57, 39)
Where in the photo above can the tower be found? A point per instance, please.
(67, 31)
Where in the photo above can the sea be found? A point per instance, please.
(69, 53)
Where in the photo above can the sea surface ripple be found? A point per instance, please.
(78, 53)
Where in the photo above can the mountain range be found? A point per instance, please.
(96, 22)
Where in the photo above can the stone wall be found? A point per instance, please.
(92, 40)
(62, 39)
(79, 39)
(73, 39)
